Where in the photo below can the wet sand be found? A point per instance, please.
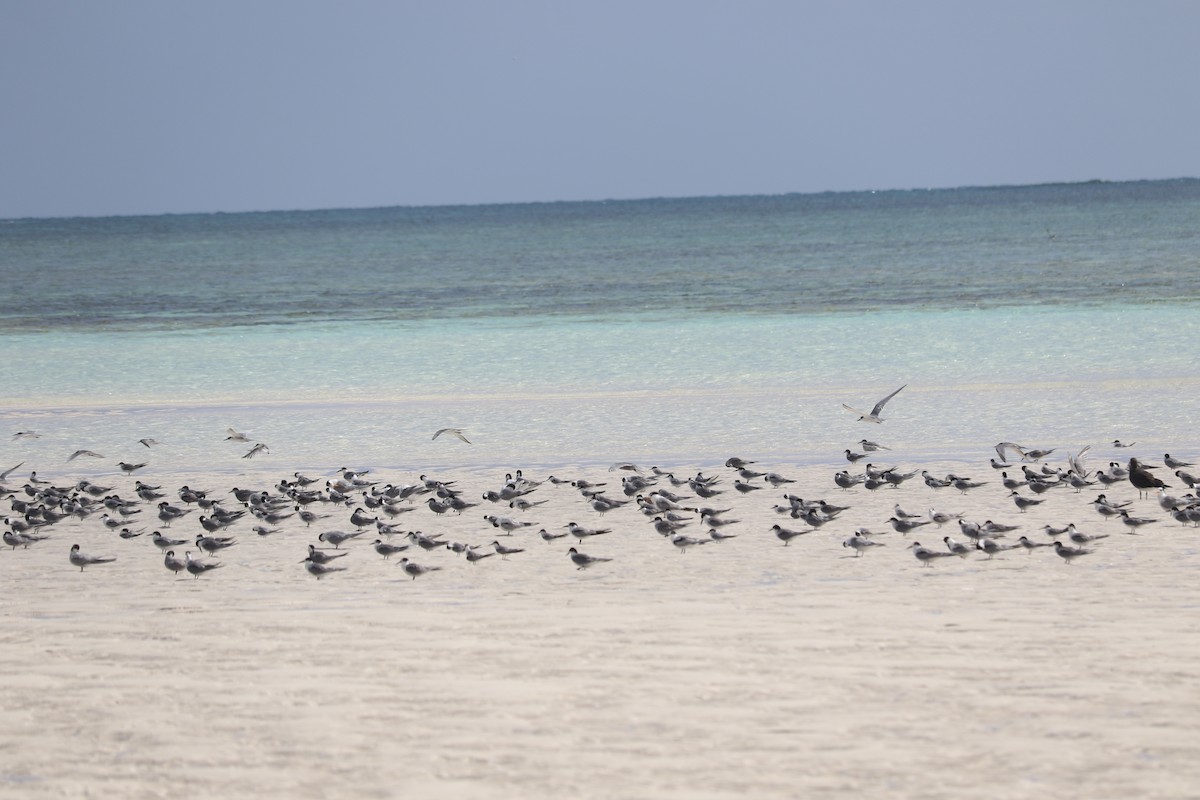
(739, 668)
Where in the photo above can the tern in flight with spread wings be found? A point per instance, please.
(455, 432)
(874, 415)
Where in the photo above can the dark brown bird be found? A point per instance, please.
(1141, 478)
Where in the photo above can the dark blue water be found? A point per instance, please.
(1076, 244)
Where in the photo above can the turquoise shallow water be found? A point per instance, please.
(599, 392)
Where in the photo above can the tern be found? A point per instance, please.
(324, 556)
(174, 563)
(860, 544)
(474, 556)
(88, 453)
(581, 533)
(1079, 537)
(196, 567)
(874, 415)
(1133, 523)
(1175, 463)
(386, 550)
(14, 539)
(165, 543)
(1067, 553)
(212, 544)
(583, 560)
(81, 559)
(506, 551)
(906, 525)
(957, 548)
(786, 535)
(457, 433)
(336, 538)
(684, 542)
(258, 448)
(425, 542)
(414, 569)
(927, 556)
(1025, 502)
(319, 570)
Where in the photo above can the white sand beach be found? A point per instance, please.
(739, 668)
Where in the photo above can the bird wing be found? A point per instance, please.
(1003, 448)
(854, 410)
(879, 406)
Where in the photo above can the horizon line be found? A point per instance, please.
(607, 200)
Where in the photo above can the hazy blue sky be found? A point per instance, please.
(149, 106)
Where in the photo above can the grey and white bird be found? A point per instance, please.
(581, 533)
(583, 560)
(873, 416)
(786, 535)
(860, 544)
(1068, 553)
(991, 546)
(777, 480)
(336, 538)
(547, 536)
(1023, 502)
(871, 447)
(214, 544)
(1028, 546)
(174, 563)
(683, 542)
(236, 436)
(507, 524)
(475, 555)
(503, 551)
(906, 525)
(940, 518)
(258, 448)
(414, 569)
(319, 570)
(128, 468)
(457, 433)
(386, 549)
(88, 453)
(1079, 537)
(425, 542)
(197, 567)
(16, 539)
(1175, 463)
(927, 556)
(1133, 523)
(324, 556)
(82, 559)
(958, 548)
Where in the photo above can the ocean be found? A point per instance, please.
(590, 332)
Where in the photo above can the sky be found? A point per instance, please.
(163, 106)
